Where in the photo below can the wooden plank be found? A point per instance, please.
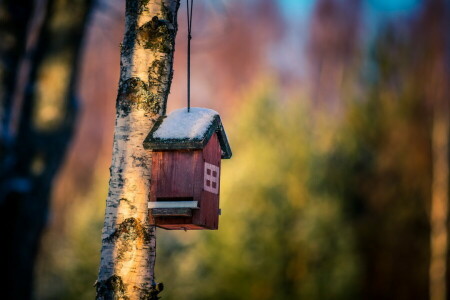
(212, 151)
(209, 204)
(181, 227)
(173, 204)
(156, 159)
(171, 212)
(209, 213)
(198, 180)
(175, 174)
(173, 220)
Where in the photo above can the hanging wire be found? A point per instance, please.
(189, 27)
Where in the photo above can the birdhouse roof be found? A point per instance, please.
(187, 130)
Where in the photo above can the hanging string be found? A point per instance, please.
(189, 27)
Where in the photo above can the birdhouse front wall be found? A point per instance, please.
(188, 175)
(173, 173)
(174, 176)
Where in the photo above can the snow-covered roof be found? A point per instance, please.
(181, 124)
(187, 130)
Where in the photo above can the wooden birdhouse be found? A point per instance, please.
(187, 150)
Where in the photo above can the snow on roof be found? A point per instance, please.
(181, 124)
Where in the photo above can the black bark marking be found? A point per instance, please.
(134, 93)
(167, 13)
(111, 288)
(126, 234)
(157, 35)
(152, 292)
(114, 288)
(158, 73)
(142, 5)
(160, 76)
(132, 207)
(134, 8)
(139, 162)
(133, 90)
(129, 230)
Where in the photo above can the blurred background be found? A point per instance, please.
(337, 115)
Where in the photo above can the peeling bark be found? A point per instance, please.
(128, 240)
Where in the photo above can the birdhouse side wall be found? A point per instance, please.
(208, 215)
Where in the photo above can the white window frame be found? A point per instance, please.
(211, 178)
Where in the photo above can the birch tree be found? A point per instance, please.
(128, 240)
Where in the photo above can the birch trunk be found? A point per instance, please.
(128, 240)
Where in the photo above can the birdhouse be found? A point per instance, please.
(187, 148)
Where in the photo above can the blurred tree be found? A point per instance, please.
(333, 45)
(434, 64)
(380, 171)
(15, 17)
(382, 168)
(31, 157)
(128, 240)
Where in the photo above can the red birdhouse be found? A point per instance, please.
(187, 150)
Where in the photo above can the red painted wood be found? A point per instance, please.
(212, 152)
(198, 187)
(160, 221)
(209, 203)
(181, 174)
(182, 227)
(156, 165)
(172, 176)
(176, 171)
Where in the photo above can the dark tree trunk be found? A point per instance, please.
(15, 16)
(45, 130)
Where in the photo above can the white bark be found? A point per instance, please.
(128, 241)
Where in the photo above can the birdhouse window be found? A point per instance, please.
(211, 183)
